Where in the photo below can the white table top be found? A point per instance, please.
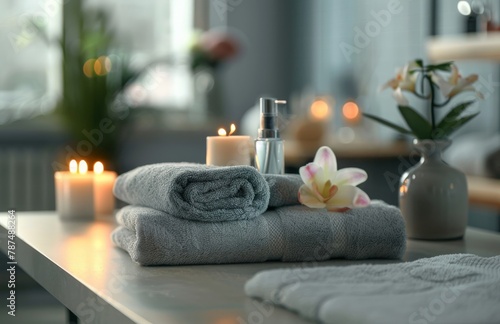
(77, 263)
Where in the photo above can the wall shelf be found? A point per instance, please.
(484, 191)
(299, 153)
(467, 47)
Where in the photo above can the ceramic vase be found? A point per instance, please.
(433, 196)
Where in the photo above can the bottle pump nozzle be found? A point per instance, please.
(269, 147)
(269, 117)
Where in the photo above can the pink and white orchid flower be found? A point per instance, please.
(403, 81)
(455, 83)
(326, 187)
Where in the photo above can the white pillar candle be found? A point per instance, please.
(229, 150)
(104, 200)
(75, 192)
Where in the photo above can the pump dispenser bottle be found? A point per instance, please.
(269, 147)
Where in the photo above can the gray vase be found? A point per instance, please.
(433, 196)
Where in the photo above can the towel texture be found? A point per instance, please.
(457, 288)
(284, 189)
(195, 191)
(295, 233)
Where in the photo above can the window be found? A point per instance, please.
(30, 82)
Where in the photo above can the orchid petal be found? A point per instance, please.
(348, 197)
(317, 193)
(455, 75)
(403, 80)
(458, 90)
(455, 83)
(332, 191)
(308, 198)
(471, 79)
(343, 199)
(407, 85)
(308, 173)
(350, 176)
(462, 83)
(409, 78)
(392, 83)
(400, 99)
(362, 199)
(443, 85)
(326, 159)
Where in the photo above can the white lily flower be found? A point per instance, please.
(455, 83)
(326, 187)
(404, 79)
(400, 98)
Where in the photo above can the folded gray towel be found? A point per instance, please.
(295, 233)
(456, 288)
(195, 191)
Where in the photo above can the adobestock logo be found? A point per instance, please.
(373, 28)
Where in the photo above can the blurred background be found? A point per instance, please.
(131, 82)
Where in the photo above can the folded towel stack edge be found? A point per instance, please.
(184, 213)
(294, 233)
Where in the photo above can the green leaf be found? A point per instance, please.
(419, 62)
(420, 127)
(452, 127)
(442, 66)
(453, 114)
(387, 123)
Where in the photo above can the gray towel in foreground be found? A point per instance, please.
(455, 288)
(295, 233)
(196, 191)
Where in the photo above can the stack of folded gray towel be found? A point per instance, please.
(184, 213)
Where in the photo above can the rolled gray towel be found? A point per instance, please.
(295, 233)
(196, 191)
(455, 288)
(206, 193)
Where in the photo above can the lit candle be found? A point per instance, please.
(104, 200)
(320, 109)
(75, 192)
(225, 150)
(351, 113)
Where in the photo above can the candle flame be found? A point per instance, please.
(98, 168)
(223, 132)
(73, 166)
(82, 167)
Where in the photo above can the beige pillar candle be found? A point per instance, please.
(75, 192)
(228, 150)
(104, 200)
